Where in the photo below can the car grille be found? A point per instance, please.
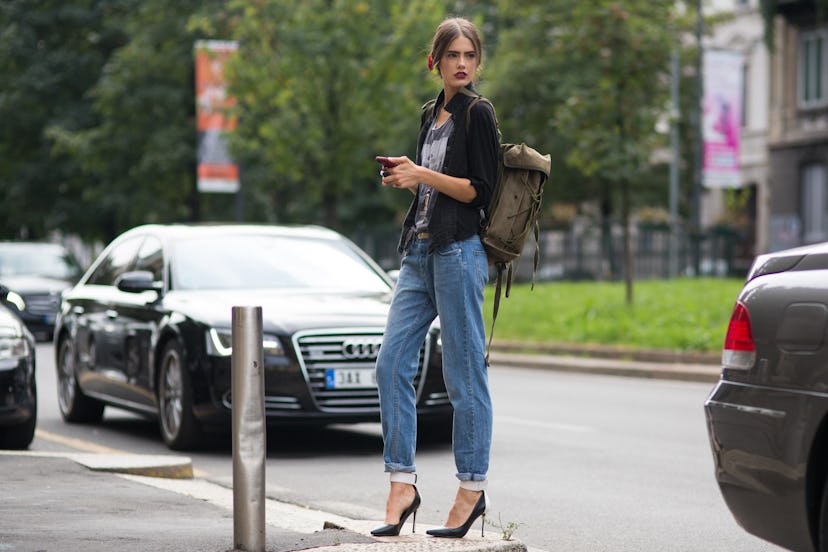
(42, 304)
(320, 351)
(272, 403)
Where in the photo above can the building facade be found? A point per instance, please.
(798, 127)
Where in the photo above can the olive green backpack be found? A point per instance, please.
(513, 211)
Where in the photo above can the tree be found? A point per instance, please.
(553, 78)
(615, 100)
(323, 87)
(51, 54)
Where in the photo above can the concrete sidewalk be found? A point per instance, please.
(66, 502)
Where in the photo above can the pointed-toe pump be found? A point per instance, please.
(394, 530)
(460, 532)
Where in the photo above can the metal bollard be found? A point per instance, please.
(249, 436)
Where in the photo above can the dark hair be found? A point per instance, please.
(450, 29)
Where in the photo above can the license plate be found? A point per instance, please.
(350, 378)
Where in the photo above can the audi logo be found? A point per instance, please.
(366, 348)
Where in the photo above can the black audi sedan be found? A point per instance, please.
(36, 273)
(767, 417)
(148, 329)
(18, 389)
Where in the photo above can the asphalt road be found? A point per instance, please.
(581, 462)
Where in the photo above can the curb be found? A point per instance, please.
(308, 520)
(619, 352)
(160, 466)
(706, 373)
(491, 542)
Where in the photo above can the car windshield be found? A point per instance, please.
(268, 262)
(45, 260)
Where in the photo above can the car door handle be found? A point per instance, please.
(111, 313)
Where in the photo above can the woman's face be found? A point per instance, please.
(458, 66)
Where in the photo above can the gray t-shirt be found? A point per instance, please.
(432, 157)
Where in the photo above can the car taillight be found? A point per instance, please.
(739, 349)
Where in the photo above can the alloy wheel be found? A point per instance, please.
(66, 376)
(171, 394)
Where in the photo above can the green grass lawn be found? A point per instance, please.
(682, 314)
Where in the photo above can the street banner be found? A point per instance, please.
(216, 170)
(722, 118)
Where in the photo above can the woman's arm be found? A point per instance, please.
(408, 175)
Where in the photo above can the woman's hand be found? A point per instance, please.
(406, 174)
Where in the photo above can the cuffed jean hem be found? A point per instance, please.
(391, 467)
(470, 476)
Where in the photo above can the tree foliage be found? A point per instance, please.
(98, 104)
(615, 100)
(323, 87)
(588, 81)
(139, 159)
(51, 55)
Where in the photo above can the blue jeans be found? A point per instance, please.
(448, 283)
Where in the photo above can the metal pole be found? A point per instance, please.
(249, 439)
(674, 166)
(699, 161)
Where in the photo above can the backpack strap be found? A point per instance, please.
(503, 269)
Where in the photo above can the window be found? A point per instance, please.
(150, 258)
(814, 203)
(118, 261)
(812, 69)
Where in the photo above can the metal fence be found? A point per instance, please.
(584, 252)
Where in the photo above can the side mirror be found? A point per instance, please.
(137, 281)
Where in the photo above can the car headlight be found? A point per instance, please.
(13, 347)
(220, 343)
(17, 300)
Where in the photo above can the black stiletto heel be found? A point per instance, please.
(460, 532)
(394, 530)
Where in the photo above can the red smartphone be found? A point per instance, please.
(385, 162)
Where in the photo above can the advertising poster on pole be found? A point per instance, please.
(217, 172)
(721, 118)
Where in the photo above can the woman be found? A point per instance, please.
(443, 273)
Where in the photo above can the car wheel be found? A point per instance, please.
(179, 428)
(19, 437)
(74, 406)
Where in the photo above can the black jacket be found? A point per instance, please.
(470, 154)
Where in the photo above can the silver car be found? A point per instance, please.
(767, 417)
